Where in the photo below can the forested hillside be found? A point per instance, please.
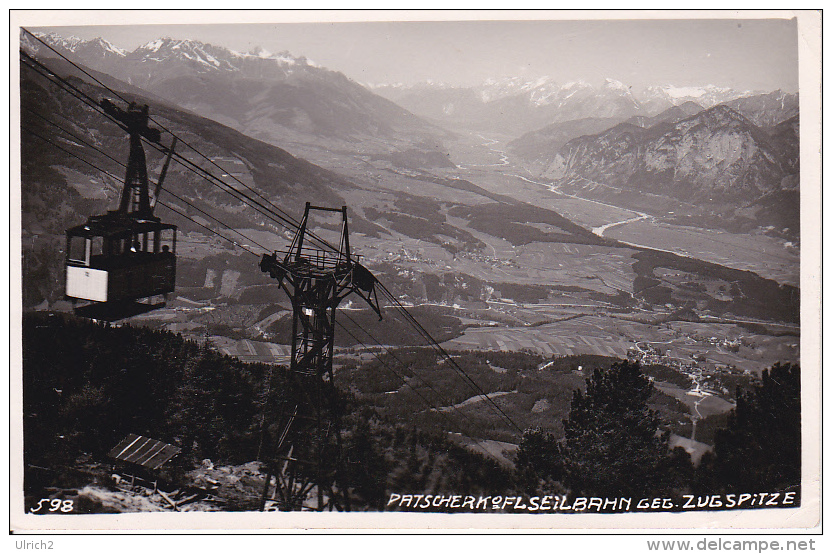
(87, 386)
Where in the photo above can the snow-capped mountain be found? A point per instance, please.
(275, 97)
(539, 91)
(518, 106)
(515, 105)
(95, 48)
(204, 58)
(156, 60)
(168, 50)
(707, 96)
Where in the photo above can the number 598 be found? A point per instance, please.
(53, 505)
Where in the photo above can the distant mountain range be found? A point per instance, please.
(515, 107)
(274, 171)
(717, 161)
(72, 166)
(283, 98)
(710, 156)
(715, 154)
(274, 97)
(540, 147)
(64, 182)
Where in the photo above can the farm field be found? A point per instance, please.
(603, 335)
(600, 268)
(587, 213)
(253, 351)
(584, 335)
(768, 257)
(703, 405)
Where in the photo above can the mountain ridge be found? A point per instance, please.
(279, 98)
(716, 160)
(519, 106)
(648, 150)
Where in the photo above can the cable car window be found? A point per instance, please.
(167, 241)
(77, 250)
(97, 247)
(116, 246)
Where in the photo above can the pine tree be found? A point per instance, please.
(367, 469)
(538, 460)
(759, 449)
(613, 446)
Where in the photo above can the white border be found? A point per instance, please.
(804, 518)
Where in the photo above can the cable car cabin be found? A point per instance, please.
(127, 255)
(114, 261)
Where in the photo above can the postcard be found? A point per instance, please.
(520, 270)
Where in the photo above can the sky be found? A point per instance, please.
(744, 54)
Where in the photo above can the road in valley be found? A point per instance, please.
(487, 144)
(602, 229)
(504, 161)
(766, 256)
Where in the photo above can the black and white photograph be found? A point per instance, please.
(443, 265)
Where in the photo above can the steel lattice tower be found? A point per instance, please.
(306, 454)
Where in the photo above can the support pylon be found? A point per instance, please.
(306, 452)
